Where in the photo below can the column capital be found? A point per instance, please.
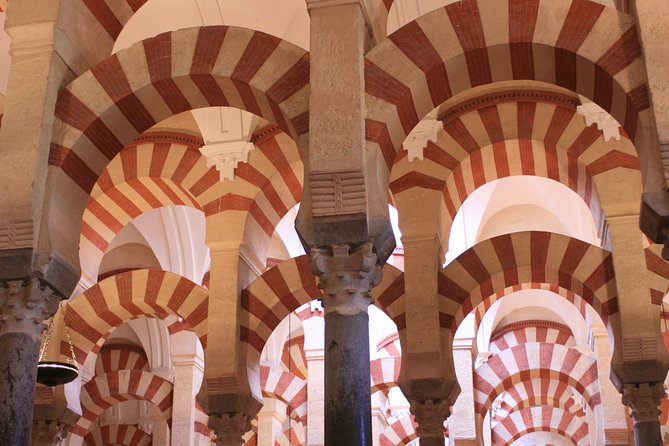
(644, 400)
(25, 304)
(430, 416)
(230, 428)
(346, 276)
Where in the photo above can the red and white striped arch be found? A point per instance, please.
(117, 434)
(541, 419)
(389, 346)
(493, 265)
(524, 394)
(293, 357)
(389, 296)
(113, 15)
(582, 46)
(399, 433)
(115, 357)
(107, 107)
(547, 362)
(287, 286)
(94, 314)
(519, 132)
(278, 292)
(279, 384)
(571, 297)
(518, 333)
(104, 391)
(161, 169)
(384, 373)
(293, 436)
(658, 273)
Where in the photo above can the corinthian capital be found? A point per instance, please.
(230, 428)
(346, 276)
(24, 305)
(644, 400)
(430, 416)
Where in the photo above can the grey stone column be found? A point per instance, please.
(644, 400)
(24, 305)
(346, 278)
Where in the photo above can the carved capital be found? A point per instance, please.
(644, 400)
(25, 304)
(430, 416)
(346, 277)
(229, 428)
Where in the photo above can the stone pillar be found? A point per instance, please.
(314, 330)
(427, 377)
(188, 371)
(464, 424)
(639, 364)
(379, 403)
(24, 305)
(226, 395)
(613, 428)
(270, 421)
(347, 277)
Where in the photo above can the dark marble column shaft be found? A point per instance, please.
(18, 371)
(24, 305)
(348, 402)
(347, 275)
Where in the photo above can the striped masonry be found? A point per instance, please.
(551, 364)
(541, 134)
(541, 419)
(528, 394)
(110, 303)
(581, 46)
(104, 391)
(518, 333)
(115, 357)
(161, 169)
(400, 432)
(121, 434)
(293, 358)
(384, 373)
(292, 390)
(479, 273)
(105, 108)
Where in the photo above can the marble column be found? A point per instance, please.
(270, 421)
(24, 305)
(314, 329)
(188, 373)
(346, 277)
(464, 424)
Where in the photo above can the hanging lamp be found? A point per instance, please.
(55, 373)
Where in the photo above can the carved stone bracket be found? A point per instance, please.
(430, 416)
(229, 428)
(644, 400)
(25, 304)
(346, 277)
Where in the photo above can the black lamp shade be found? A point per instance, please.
(52, 373)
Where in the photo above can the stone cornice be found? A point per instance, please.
(489, 99)
(534, 323)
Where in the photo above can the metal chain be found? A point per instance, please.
(45, 347)
(69, 339)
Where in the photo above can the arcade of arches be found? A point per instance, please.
(335, 222)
